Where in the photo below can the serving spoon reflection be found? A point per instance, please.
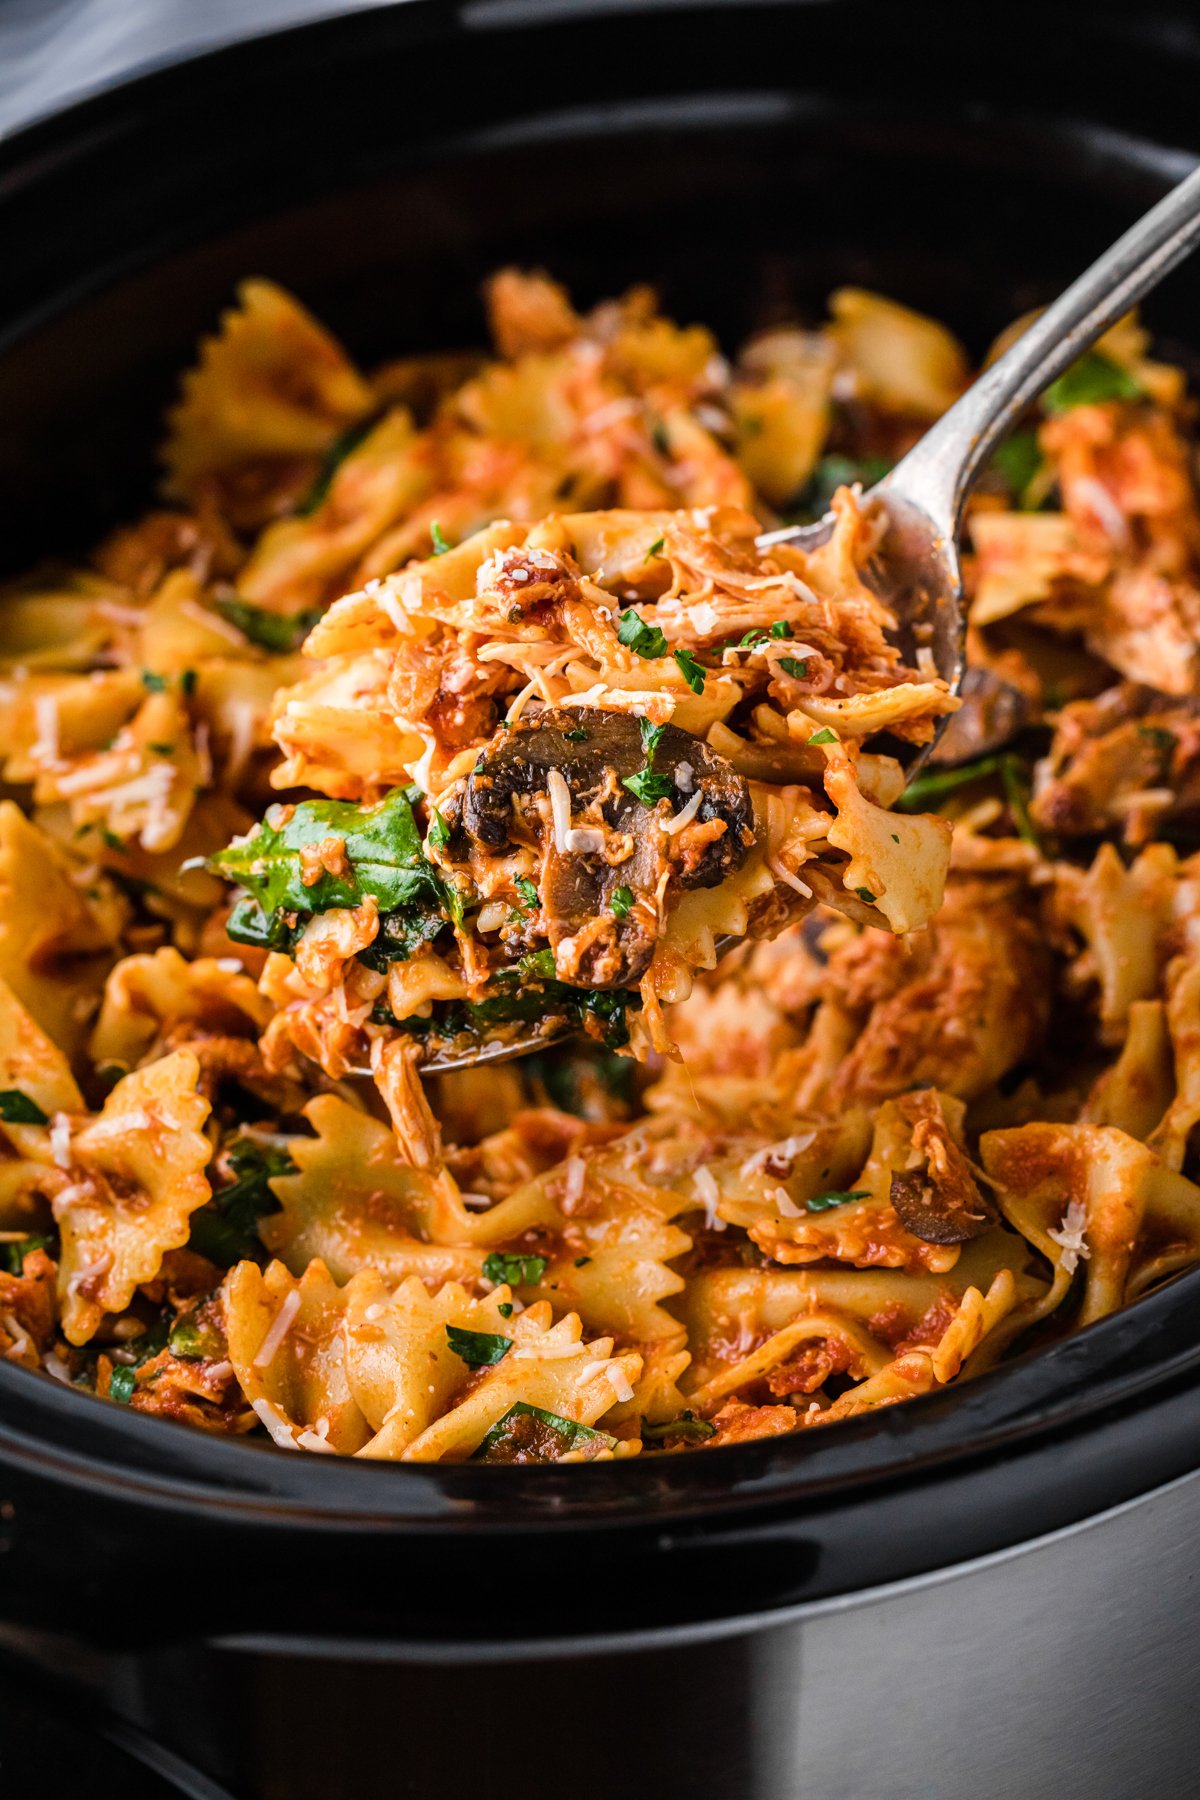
(920, 501)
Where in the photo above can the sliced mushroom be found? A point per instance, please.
(938, 1198)
(991, 715)
(595, 752)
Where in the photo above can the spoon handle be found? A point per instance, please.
(938, 472)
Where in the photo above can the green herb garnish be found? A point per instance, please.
(528, 892)
(1018, 460)
(646, 641)
(187, 683)
(835, 1197)
(1090, 381)
(780, 629)
(512, 1267)
(121, 1383)
(648, 787)
(832, 472)
(692, 671)
(581, 1262)
(687, 1425)
(153, 683)
(505, 1308)
(331, 462)
(620, 901)
(277, 632)
(578, 736)
(865, 895)
(824, 736)
(439, 831)
(478, 1349)
(440, 546)
(12, 1256)
(17, 1108)
(654, 549)
(794, 665)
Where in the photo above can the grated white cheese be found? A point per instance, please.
(45, 713)
(585, 838)
(621, 1385)
(279, 1327)
(60, 1140)
(1071, 1236)
(574, 1177)
(785, 875)
(705, 1184)
(685, 816)
(242, 718)
(685, 777)
(785, 1206)
(480, 1202)
(390, 603)
(543, 1352)
(560, 808)
(55, 1366)
(276, 1423)
(1111, 519)
(785, 1151)
(375, 1311)
(22, 1343)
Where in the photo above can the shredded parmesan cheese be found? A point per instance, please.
(278, 1330)
(560, 808)
(1071, 1236)
(705, 1184)
(685, 815)
(276, 1423)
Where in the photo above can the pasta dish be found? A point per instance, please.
(455, 704)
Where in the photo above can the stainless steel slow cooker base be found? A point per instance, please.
(1065, 1669)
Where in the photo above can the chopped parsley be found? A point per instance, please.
(517, 1270)
(440, 546)
(12, 1256)
(528, 892)
(654, 549)
(646, 641)
(478, 1349)
(578, 736)
(1162, 739)
(439, 831)
(780, 629)
(865, 895)
(687, 1425)
(1090, 381)
(505, 1309)
(277, 632)
(153, 683)
(331, 462)
(692, 671)
(17, 1108)
(794, 665)
(187, 683)
(825, 736)
(620, 901)
(648, 787)
(538, 963)
(162, 749)
(1017, 461)
(645, 785)
(581, 1262)
(835, 1197)
(121, 1383)
(832, 472)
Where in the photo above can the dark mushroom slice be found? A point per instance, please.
(941, 1212)
(595, 752)
(992, 714)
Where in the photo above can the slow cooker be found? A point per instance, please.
(982, 1592)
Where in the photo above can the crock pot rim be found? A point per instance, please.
(1018, 1403)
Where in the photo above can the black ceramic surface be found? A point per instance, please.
(747, 158)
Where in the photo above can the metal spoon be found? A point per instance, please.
(922, 498)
